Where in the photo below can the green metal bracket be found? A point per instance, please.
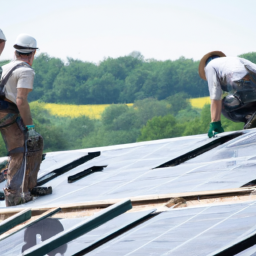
(80, 229)
(15, 220)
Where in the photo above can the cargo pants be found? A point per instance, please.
(14, 135)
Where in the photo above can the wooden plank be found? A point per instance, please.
(15, 220)
(31, 222)
(134, 200)
(79, 229)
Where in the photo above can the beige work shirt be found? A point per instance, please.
(22, 77)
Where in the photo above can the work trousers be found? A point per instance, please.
(14, 137)
(238, 106)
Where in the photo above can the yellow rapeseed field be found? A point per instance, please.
(66, 110)
(200, 102)
(95, 111)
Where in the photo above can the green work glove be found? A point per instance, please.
(215, 128)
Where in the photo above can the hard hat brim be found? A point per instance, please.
(22, 49)
(25, 50)
(203, 61)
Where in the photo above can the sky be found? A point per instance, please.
(91, 30)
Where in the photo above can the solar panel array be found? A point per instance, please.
(132, 170)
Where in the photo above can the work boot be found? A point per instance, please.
(41, 191)
(13, 198)
(251, 121)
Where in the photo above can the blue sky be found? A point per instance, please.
(92, 30)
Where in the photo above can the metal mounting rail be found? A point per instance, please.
(31, 222)
(80, 229)
(200, 150)
(85, 173)
(57, 172)
(15, 220)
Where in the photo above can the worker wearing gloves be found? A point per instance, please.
(234, 75)
(24, 144)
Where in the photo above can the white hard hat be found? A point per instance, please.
(25, 43)
(2, 36)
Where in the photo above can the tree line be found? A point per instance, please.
(154, 115)
(115, 80)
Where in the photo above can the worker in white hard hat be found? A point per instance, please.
(24, 144)
(234, 75)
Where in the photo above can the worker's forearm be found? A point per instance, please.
(25, 113)
(216, 110)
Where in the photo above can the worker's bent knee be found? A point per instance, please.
(231, 103)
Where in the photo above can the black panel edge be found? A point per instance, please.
(121, 231)
(237, 247)
(57, 172)
(199, 151)
(251, 183)
(85, 173)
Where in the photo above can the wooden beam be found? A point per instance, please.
(79, 229)
(135, 200)
(15, 220)
(31, 222)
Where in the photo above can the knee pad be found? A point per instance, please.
(231, 103)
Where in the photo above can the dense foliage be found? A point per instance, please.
(147, 119)
(121, 80)
(159, 90)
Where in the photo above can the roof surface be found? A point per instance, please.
(187, 164)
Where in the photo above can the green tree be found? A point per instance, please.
(149, 108)
(178, 102)
(54, 139)
(160, 127)
(251, 56)
(199, 125)
(70, 84)
(47, 69)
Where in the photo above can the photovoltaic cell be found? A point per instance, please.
(188, 231)
(130, 170)
(25, 239)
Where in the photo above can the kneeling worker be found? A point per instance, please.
(24, 144)
(234, 75)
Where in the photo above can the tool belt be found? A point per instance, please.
(12, 113)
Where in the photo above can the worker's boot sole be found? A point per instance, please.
(251, 123)
(41, 191)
